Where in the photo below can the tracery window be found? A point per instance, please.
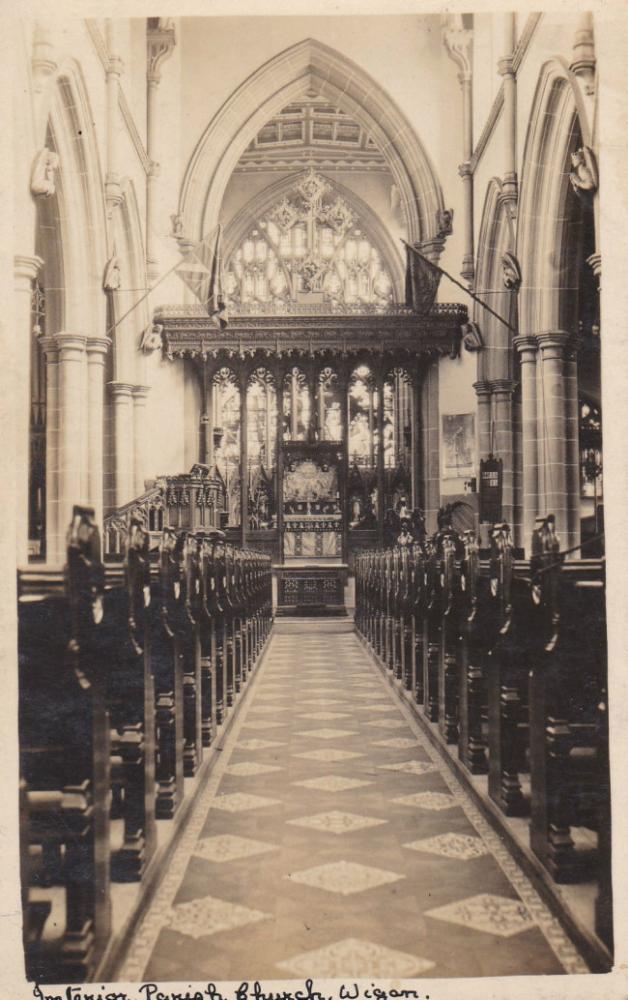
(363, 419)
(296, 405)
(309, 246)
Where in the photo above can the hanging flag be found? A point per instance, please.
(422, 278)
(201, 270)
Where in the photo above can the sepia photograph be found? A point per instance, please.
(310, 411)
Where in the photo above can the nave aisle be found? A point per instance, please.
(332, 840)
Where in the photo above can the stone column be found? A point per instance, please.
(160, 41)
(51, 352)
(140, 392)
(122, 394)
(97, 348)
(527, 348)
(572, 458)
(458, 42)
(72, 384)
(552, 345)
(25, 272)
(506, 70)
(483, 392)
(415, 425)
(502, 395)
(115, 66)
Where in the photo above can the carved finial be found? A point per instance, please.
(43, 173)
(458, 41)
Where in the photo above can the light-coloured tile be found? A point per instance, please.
(387, 723)
(397, 743)
(261, 725)
(205, 916)
(251, 768)
(241, 802)
(256, 744)
(410, 767)
(226, 847)
(337, 822)
(332, 783)
(326, 734)
(325, 716)
(435, 801)
(344, 877)
(486, 912)
(451, 845)
(356, 958)
(329, 755)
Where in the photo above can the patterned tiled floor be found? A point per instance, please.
(332, 841)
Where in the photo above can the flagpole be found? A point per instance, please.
(463, 287)
(145, 296)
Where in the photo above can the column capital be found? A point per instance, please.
(120, 390)
(26, 266)
(140, 392)
(48, 345)
(482, 389)
(98, 346)
(553, 341)
(503, 386)
(465, 170)
(505, 66)
(67, 342)
(526, 345)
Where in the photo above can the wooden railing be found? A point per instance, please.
(508, 660)
(127, 674)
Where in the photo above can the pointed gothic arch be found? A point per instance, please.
(495, 238)
(309, 66)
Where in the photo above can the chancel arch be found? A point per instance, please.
(310, 67)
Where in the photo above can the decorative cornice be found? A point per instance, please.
(129, 121)
(191, 333)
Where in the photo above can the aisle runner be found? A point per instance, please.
(332, 841)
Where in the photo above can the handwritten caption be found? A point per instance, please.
(244, 991)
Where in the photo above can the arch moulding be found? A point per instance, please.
(309, 67)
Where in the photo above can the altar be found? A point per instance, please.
(312, 503)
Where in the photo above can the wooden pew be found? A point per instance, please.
(65, 761)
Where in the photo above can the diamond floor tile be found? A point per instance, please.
(355, 958)
(344, 877)
(226, 847)
(452, 845)
(336, 822)
(241, 801)
(488, 913)
(332, 783)
(329, 756)
(313, 808)
(202, 917)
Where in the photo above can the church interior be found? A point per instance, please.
(310, 540)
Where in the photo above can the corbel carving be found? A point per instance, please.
(112, 279)
(511, 272)
(43, 173)
(584, 173)
(472, 337)
(152, 338)
(445, 221)
(176, 226)
(160, 41)
(458, 42)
